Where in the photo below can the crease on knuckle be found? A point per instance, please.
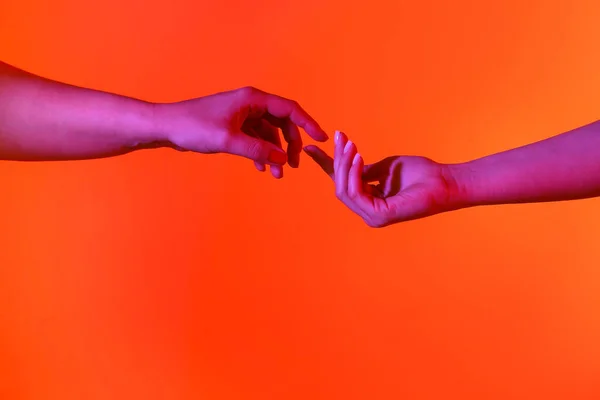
(255, 149)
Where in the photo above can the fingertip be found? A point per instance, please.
(349, 146)
(340, 143)
(259, 166)
(277, 172)
(315, 152)
(317, 133)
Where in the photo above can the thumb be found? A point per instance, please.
(373, 172)
(256, 149)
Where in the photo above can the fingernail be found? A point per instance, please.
(356, 159)
(337, 136)
(347, 147)
(277, 157)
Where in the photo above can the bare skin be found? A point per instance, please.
(563, 167)
(45, 120)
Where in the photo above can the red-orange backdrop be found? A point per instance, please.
(160, 275)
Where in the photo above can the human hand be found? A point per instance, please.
(408, 187)
(243, 122)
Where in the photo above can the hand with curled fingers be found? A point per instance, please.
(395, 189)
(243, 122)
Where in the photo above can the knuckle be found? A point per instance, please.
(246, 91)
(255, 150)
(223, 141)
(376, 222)
(369, 223)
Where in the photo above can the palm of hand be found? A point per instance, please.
(408, 187)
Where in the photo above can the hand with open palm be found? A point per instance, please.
(395, 189)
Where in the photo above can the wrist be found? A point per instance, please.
(150, 132)
(159, 129)
(459, 182)
(133, 120)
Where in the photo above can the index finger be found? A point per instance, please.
(321, 158)
(281, 107)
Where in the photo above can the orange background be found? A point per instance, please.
(160, 275)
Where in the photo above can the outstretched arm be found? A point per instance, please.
(563, 167)
(45, 120)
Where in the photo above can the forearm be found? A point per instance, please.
(46, 120)
(564, 167)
